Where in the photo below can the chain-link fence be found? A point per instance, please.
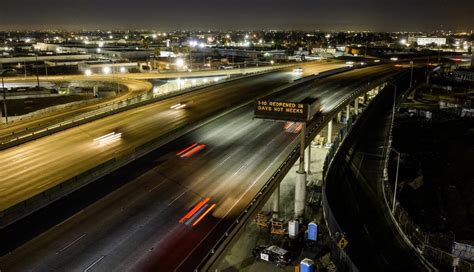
(435, 247)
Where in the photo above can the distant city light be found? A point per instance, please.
(106, 70)
(179, 62)
(123, 69)
(88, 72)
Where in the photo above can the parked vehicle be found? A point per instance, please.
(273, 254)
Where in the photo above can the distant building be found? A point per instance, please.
(323, 50)
(101, 67)
(423, 41)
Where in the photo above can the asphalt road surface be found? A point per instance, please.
(36, 166)
(135, 84)
(354, 192)
(136, 227)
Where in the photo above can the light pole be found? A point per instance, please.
(5, 94)
(411, 74)
(396, 180)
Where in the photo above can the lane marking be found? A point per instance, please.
(228, 157)
(240, 168)
(156, 187)
(177, 197)
(94, 263)
(71, 243)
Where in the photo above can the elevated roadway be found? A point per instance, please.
(132, 84)
(355, 195)
(34, 167)
(136, 227)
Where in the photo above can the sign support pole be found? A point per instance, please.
(300, 183)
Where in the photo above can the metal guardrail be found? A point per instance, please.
(107, 110)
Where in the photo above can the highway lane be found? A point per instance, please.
(36, 166)
(134, 84)
(136, 227)
(133, 88)
(355, 195)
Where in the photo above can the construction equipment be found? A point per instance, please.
(279, 227)
(263, 219)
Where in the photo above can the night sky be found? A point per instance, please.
(375, 15)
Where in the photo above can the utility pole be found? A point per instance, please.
(37, 72)
(4, 99)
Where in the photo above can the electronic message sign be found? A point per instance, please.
(279, 110)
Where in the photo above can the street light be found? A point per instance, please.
(396, 180)
(5, 93)
(179, 62)
(106, 70)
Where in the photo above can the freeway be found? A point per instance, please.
(32, 168)
(354, 191)
(134, 84)
(136, 227)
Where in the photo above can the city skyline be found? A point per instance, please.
(367, 15)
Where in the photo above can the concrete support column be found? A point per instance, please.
(307, 160)
(300, 183)
(356, 106)
(276, 202)
(348, 112)
(300, 194)
(96, 91)
(339, 117)
(329, 140)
